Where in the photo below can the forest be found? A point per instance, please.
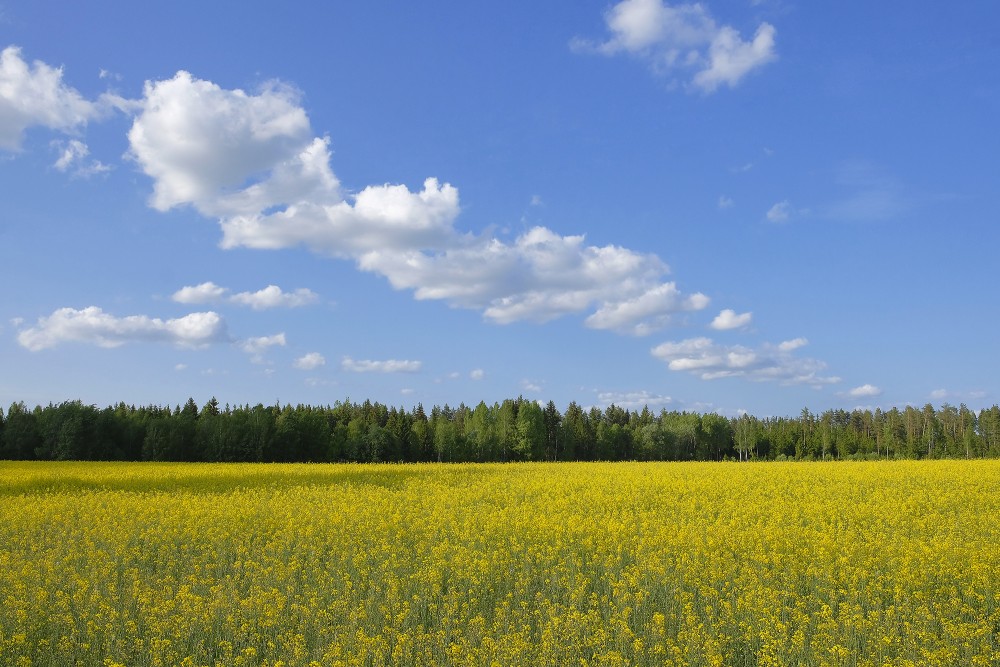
(514, 430)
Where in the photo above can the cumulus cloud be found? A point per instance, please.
(207, 292)
(202, 144)
(865, 391)
(710, 360)
(477, 374)
(310, 361)
(540, 276)
(383, 217)
(646, 312)
(634, 400)
(250, 161)
(728, 319)
(386, 366)
(34, 95)
(683, 40)
(256, 347)
(271, 296)
(92, 325)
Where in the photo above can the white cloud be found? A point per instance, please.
(35, 96)
(383, 217)
(530, 385)
(201, 144)
(92, 325)
(780, 212)
(730, 58)
(646, 312)
(310, 361)
(794, 344)
(180, 367)
(271, 296)
(207, 292)
(387, 366)
(683, 38)
(73, 153)
(960, 396)
(256, 347)
(865, 391)
(541, 276)
(728, 319)
(725, 202)
(477, 374)
(634, 400)
(710, 360)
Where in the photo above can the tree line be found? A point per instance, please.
(514, 430)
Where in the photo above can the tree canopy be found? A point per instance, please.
(514, 430)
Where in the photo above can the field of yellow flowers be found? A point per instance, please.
(883, 563)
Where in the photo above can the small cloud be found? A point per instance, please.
(92, 325)
(725, 202)
(406, 391)
(71, 151)
(256, 347)
(728, 319)
(945, 395)
(780, 212)
(180, 367)
(385, 366)
(529, 385)
(271, 296)
(634, 400)
(73, 155)
(310, 361)
(794, 344)
(865, 391)
(536, 200)
(207, 292)
(477, 374)
(682, 40)
(709, 360)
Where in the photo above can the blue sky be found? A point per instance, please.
(735, 205)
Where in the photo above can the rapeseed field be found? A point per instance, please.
(869, 564)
